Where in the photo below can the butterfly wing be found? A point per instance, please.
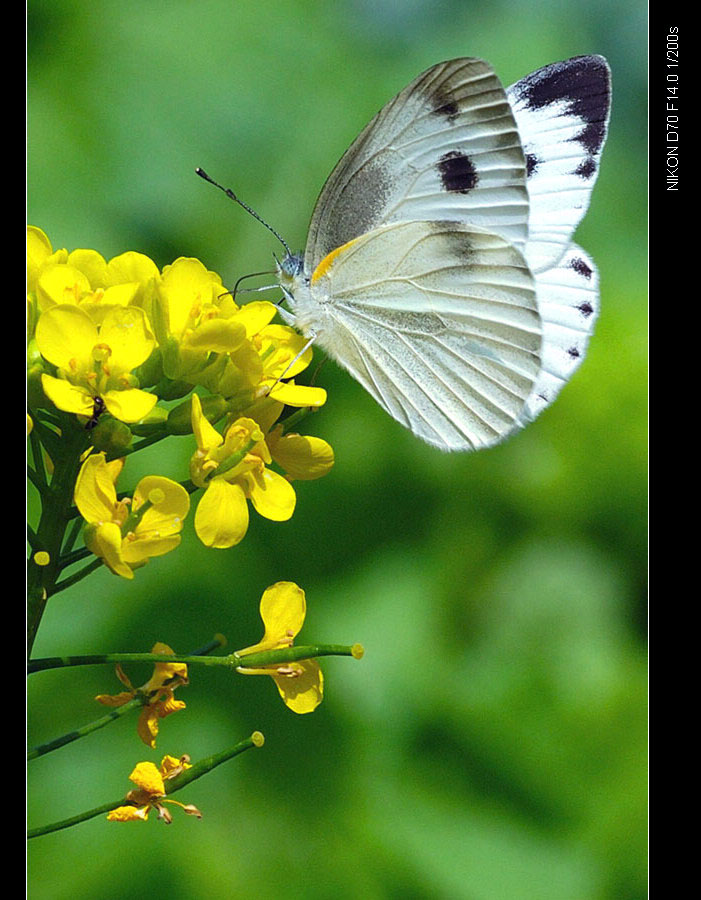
(568, 303)
(562, 113)
(438, 321)
(447, 147)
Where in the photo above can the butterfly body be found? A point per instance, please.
(439, 269)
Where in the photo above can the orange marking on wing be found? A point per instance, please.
(327, 261)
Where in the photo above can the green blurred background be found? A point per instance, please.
(491, 745)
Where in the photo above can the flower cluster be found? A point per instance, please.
(150, 792)
(156, 695)
(129, 351)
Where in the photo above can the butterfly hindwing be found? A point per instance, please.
(568, 303)
(562, 113)
(438, 321)
(445, 148)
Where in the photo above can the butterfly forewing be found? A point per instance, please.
(438, 322)
(447, 147)
(562, 113)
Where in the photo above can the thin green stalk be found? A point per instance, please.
(77, 576)
(72, 557)
(71, 538)
(233, 660)
(71, 736)
(38, 457)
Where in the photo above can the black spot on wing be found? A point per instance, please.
(573, 353)
(458, 174)
(586, 168)
(580, 267)
(583, 84)
(532, 163)
(586, 309)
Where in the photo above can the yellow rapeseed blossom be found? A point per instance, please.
(96, 361)
(194, 317)
(150, 792)
(304, 458)
(301, 683)
(125, 534)
(234, 469)
(157, 694)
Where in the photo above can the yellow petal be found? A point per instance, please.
(66, 336)
(38, 251)
(60, 284)
(304, 691)
(272, 495)
(91, 264)
(128, 814)
(130, 405)
(128, 334)
(283, 607)
(265, 412)
(147, 727)
(94, 493)
(184, 288)
(217, 335)
(302, 456)
(256, 315)
(221, 519)
(298, 394)
(167, 515)
(115, 700)
(148, 778)
(130, 266)
(286, 344)
(67, 396)
(137, 552)
(105, 541)
(206, 435)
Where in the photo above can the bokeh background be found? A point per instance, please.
(491, 745)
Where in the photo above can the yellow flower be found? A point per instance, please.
(278, 346)
(151, 792)
(125, 534)
(301, 683)
(84, 278)
(157, 694)
(39, 254)
(303, 457)
(96, 361)
(193, 317)
(254, 370)
(233, 469)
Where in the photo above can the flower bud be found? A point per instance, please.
(111, 436)
(153, 423)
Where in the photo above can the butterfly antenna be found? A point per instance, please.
(232, 196)
(251, 275)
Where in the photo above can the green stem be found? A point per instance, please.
(111, 716)
(71, 538)
(70, 557)
(232, 661)
(56, 500)
(77, 576)
(171, 785)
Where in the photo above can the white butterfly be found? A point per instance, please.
(439, 269)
